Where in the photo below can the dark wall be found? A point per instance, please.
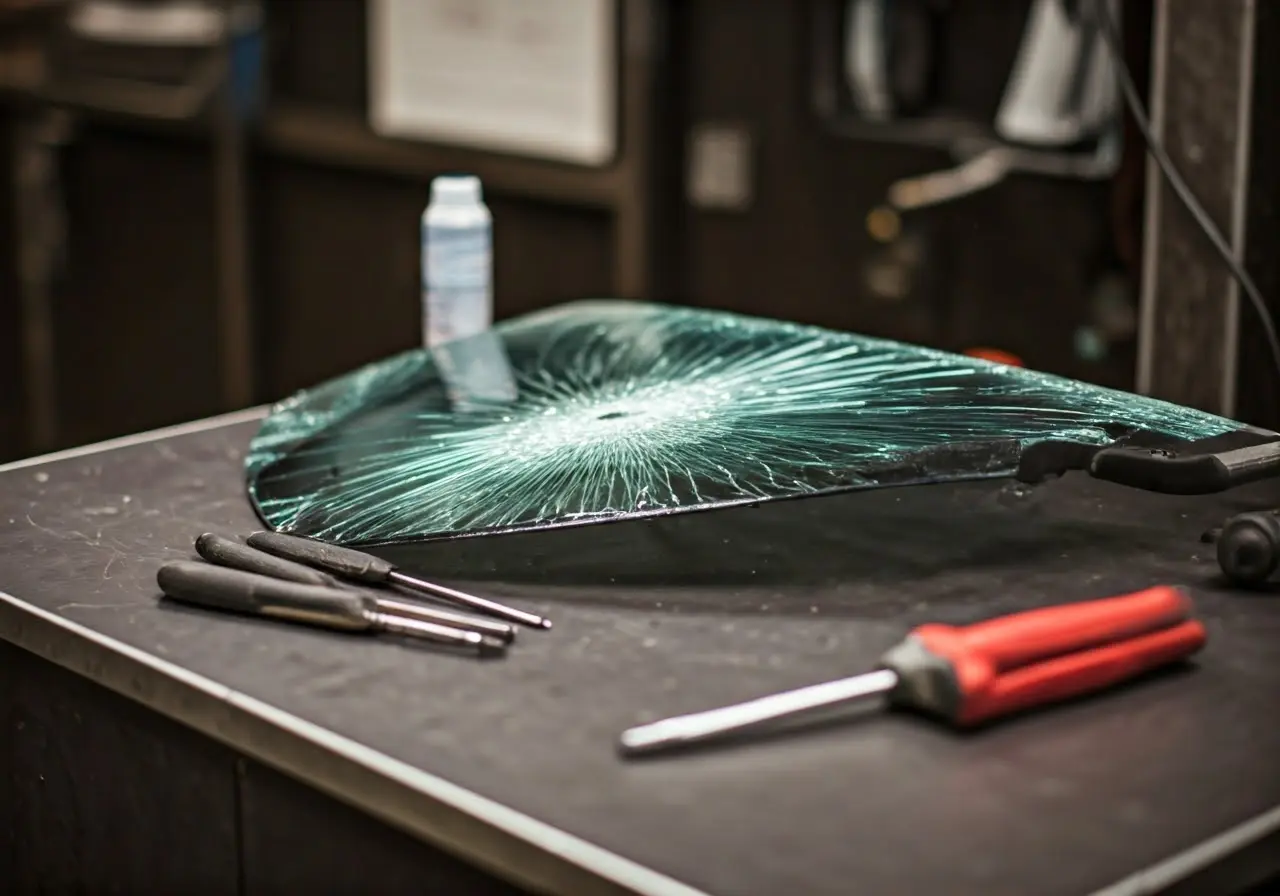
(335, 232)
(339, 270)
(1012, 268)
(12, 432)
(319, 52)
(339, 266)
(334, 266)
(135, 333)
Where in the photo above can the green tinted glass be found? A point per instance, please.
(595, 411)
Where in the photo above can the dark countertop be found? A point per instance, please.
(512, 764)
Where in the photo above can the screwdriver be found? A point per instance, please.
(336, 608)
(361, 567)
(236, 555)
(972, 674)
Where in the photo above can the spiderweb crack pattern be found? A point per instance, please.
(626, 408)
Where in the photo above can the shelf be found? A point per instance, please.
(24, 88)
(344, 139)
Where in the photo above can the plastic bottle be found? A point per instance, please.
(457, 262)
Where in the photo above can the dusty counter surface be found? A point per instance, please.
(511, 765)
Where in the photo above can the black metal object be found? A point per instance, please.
(1248, 547)
(1161, 470)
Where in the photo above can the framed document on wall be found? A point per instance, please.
(535, 78)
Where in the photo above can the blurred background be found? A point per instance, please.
(208, 205)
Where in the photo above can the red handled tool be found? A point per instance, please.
(972, 674)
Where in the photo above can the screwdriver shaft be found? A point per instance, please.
(358, 566)
(439, 634)
(715, 723)
(247, 558)
(393, 607)
(493, 608)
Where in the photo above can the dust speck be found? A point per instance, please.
(42, 477)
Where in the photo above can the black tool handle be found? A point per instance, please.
(344, 562)
(237, 555)
(246, 592)
(1192, 474)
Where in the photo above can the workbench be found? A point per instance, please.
(154, 749)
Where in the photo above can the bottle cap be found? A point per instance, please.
(461, 189)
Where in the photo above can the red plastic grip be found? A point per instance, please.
(1041, 656)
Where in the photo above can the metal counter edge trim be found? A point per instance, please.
(153, 435)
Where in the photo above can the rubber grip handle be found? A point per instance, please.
(1153, 471)
(1009, 642)
(244, 592)
(237, 555)
(1190, 474)
(974, 673)
(340, 561)
(1078, 674)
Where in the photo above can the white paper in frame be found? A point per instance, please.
(534, 78)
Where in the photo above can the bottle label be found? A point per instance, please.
(456, 276)
(457, 257)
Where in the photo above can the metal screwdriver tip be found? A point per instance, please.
(679, 731)
(475, 602)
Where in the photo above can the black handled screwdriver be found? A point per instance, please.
(361, 567)
(336, 608)
(237, 555)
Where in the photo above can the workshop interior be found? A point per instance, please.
(510, 443)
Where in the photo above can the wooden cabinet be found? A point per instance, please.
(135, 326)
(13, 437)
